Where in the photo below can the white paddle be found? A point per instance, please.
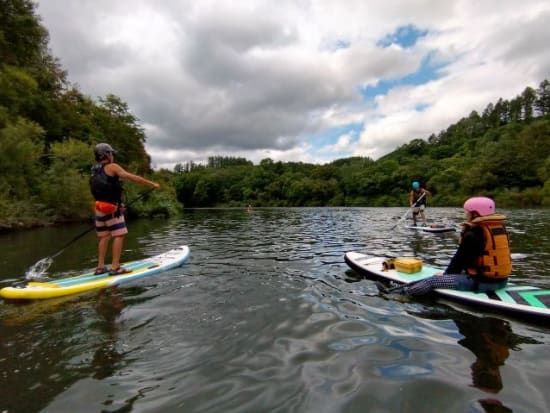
(407, 211)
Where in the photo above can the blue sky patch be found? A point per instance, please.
(421, 107)
(427, 72)
(330, 137)
(342, 44)
(404, 36)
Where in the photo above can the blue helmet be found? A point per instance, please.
(416, 185)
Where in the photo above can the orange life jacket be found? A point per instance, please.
(496, 261)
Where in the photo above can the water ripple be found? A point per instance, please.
(266, 316)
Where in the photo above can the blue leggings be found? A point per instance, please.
(461, 282)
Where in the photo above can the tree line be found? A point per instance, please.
(48, 130)
(503, 153)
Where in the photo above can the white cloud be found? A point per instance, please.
(252, 80)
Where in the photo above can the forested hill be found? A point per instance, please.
(503, 152)
(48, 130)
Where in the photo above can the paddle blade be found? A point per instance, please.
(38, 270)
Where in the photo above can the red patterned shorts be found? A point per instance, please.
(110, 224)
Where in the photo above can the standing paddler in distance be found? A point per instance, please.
(106, 187)
(482, 261)
(417, 201)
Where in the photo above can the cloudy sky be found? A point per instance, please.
(298, 80)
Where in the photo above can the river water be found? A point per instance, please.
(266, 317)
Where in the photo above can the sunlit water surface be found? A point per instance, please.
(266, 317)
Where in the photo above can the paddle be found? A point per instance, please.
(42, 265)
(407, 211)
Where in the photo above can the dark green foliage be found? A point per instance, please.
(542, 103)
(226, 162)
(505, 153)
(23, 40)
(48, 130)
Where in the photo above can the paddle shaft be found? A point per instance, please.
(93, 226)
(407, 211)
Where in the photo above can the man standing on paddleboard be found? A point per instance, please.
(417, 201)
(106, 187)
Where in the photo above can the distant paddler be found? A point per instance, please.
(417, 201)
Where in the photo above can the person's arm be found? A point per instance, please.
(458, 262)
(470, 248)
(117, 170)
(411, 199)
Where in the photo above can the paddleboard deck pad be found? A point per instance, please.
(33, 290)
(519, 300)
(435, 228)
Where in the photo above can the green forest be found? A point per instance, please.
(48, 130)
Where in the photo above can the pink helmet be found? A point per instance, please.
(480, 204)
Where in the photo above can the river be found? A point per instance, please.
(266, 317)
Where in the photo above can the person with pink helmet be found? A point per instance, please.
(482, 261)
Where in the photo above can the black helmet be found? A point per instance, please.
(101, 151)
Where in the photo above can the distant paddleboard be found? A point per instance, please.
(432, 228)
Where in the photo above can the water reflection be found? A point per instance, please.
(44, 346)
(490, 340)
(107, 357)
(266, 316)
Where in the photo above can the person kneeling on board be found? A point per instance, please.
(482, 262)
(109, 211)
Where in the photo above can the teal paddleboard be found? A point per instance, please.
(87, 281)
(524, 300)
